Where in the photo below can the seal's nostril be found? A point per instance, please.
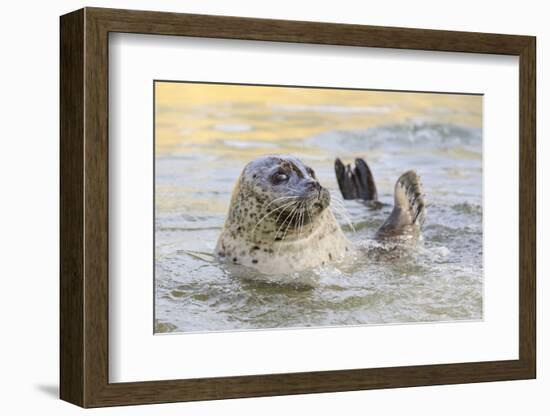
(313, 185)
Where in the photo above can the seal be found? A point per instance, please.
(279, 219)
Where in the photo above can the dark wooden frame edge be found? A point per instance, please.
(84, 207)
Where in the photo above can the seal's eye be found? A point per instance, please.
(310, 172)
(279, 177)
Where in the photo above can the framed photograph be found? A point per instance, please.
(254, 207)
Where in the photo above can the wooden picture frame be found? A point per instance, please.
(84, 207)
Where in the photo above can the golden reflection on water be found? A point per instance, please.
(190, 114)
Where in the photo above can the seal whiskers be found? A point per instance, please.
(274, 210)
(294, 214)
(289, 219)
(341, 210)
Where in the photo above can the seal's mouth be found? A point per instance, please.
(317, 201)
(323, 199)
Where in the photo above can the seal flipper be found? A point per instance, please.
(409, 211)
(357, 182)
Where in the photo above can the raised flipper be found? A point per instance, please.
(357, 182)
(409, 211)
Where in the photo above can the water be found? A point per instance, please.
(439, 280)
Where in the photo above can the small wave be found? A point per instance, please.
(440, 110)
(164, 327)
(233, 128)
(440, 251)
(207, 257)
(440, 231)
(468, 208)
(305, 279)
(248, 144)
(420, 134)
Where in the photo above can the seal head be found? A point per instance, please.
(279, 219)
